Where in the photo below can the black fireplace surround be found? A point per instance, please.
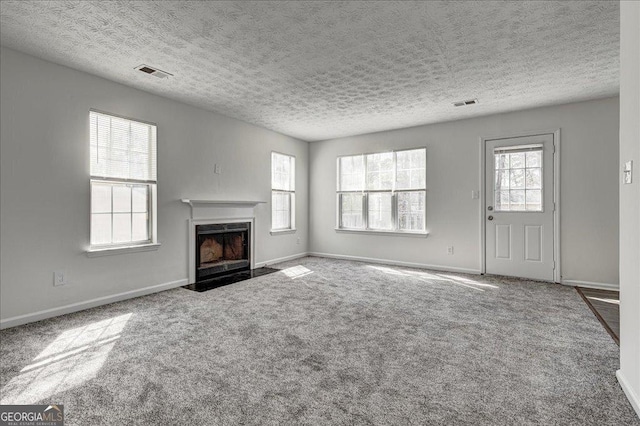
(222, 249)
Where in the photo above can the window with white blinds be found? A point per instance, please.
(122, 149)
(383, 191)
(283, 187)
(123, 180)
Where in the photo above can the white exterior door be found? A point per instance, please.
(519, 207)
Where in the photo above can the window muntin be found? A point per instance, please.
(123, 180)
(518, 179)
(383, 191)
(283, 171)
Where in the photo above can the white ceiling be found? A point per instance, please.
(318, 70)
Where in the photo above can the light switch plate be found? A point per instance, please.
(627, 173)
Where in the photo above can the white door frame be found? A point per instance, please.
(557, 273)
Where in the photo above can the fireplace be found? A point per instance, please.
(221, 249)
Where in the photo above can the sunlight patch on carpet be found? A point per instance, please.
(433, 278)
(73, 358)
(297, 272)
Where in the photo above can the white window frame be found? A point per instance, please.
(291, 192)
(133, 246)
(394, 198)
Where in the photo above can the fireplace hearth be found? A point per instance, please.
(222, 249)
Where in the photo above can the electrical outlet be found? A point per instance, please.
(450, 250)
(475, 195)
(216, 169)
(298, 240)
(59, 278)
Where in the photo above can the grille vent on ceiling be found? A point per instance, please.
(153, 71)
(463, 103)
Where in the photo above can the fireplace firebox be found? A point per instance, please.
(222, 249)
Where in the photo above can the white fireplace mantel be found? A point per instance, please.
(204, 207)
(221, 203)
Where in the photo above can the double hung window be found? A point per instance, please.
(123, 181)
(383, 192)
(283, 192)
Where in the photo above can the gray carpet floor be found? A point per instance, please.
(326, 342)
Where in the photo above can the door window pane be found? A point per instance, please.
(516, 200)
(502, 201)
(502, 179)
(518, 180)
(516, 160)
(534, 159)
(534, 200)
(534, 180)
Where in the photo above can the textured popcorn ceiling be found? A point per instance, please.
(319, 70)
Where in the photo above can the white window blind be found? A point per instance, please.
(122, 149)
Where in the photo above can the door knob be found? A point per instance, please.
(490, 208)
(490, 218)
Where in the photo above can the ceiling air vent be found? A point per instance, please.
(153, 71)
(463, 103)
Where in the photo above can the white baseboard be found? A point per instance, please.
(589, 284)
(80, 306)
(631, 395)
(397, 263)
(281, 259)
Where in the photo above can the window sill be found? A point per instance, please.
(394, 233)
(108, 251)
(282, 231)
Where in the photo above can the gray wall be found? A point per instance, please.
(589, 178)
(44, 153)
(629, 374)
(44, 201)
